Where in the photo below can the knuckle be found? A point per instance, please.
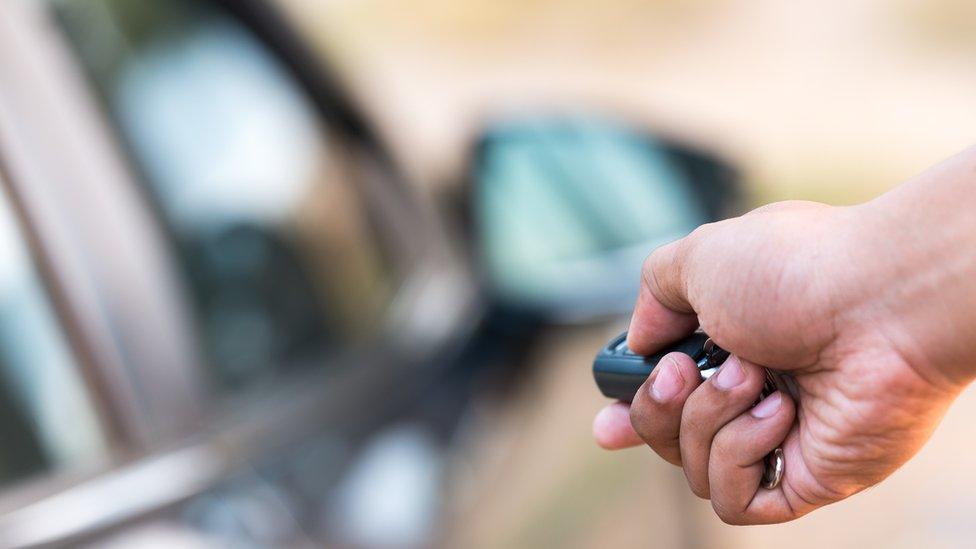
(660, 259)
(662, 274)
(640, 421)
(724, 447)
(702, 231)
(755, 379)
(785, 206)
(729, 515)
(651, 258)
(713, 324)
(694, 421)
(700, 489)
(701, 404)
(666, 272)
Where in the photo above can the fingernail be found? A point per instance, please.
(730, 374)
(668, 381)
(767, 406)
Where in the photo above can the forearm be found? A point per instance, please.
(921, 239)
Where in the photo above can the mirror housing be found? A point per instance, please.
(565, 209)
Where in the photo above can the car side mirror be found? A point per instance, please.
(565, 209)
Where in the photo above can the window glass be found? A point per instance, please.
(261, 200)
(47, 420)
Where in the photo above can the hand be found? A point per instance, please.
(872, 320)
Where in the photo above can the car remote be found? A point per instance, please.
(619, 373)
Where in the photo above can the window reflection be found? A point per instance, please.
(260, 198)
(46, 418)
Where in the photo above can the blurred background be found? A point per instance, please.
(828, 101)
(340, 267)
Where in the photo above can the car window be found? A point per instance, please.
(259, 196)
(47, 418)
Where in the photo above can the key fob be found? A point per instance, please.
(619, 372)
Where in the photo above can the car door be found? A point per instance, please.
(239, 264)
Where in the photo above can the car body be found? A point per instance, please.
(160, 432)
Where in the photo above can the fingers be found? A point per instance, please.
(727, 394)
(712, 430)
(664, 312)
(737, 459)
(612, 429)
(655, 412)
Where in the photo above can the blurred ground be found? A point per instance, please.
(832, 101)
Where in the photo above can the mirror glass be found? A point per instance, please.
(567, 209)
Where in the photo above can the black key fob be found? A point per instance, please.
(619, 373)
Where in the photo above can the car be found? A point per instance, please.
(221, 295)
(214, 272)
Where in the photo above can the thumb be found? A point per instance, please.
(665, 311)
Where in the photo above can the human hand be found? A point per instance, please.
(849, 303)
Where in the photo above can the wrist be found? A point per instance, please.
(920, 243)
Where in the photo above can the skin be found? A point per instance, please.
(872, 310)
